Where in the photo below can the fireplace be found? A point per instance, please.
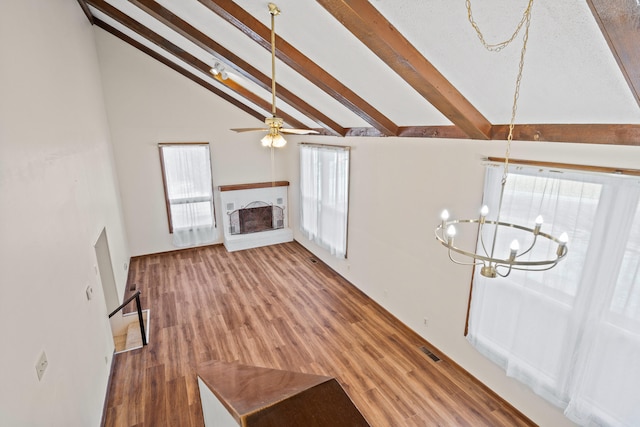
(255, 215)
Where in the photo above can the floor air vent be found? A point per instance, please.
(313, 260)
(428, 352)
(132, 287)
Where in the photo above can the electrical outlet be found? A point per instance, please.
(426, 321)
(89, 292)
(41, 366)
(126, 266)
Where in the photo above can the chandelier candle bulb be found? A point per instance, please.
(444, 216)
(514, 248)
(563, 240)
(539, 222)
(484, 211)
(451, 233)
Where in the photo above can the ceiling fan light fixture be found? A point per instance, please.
(273, 140)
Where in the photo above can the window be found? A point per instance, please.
(571, 333)
(186, 173)
(324, 196)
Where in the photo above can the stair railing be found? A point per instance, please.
(135, 296)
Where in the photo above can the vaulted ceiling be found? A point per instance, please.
(404, 67)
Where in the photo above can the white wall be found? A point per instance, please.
(57, 192)
(149, 103)
(398, 189)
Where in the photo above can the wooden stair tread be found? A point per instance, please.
(134, 338)
(131, 339)
(120, 342)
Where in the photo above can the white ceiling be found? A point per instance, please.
(570, 74)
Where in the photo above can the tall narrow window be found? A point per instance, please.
(571, 333)
(324, 196)
(188, 189)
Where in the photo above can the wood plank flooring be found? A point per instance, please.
(278, 307)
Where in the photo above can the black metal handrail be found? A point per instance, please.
(135, 296)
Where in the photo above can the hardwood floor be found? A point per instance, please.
(278, 307)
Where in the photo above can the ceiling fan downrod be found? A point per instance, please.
(273, 10)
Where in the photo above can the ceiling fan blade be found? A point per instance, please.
(250, 129)
(298, 131)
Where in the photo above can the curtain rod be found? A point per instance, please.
(162, 144)
(311, 144)
(568, 166)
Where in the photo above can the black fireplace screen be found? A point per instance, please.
(256, 217)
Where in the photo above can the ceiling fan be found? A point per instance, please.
(274, 124)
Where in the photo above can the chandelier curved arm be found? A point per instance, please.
(536, 269)
(535, 239)
(484, 248)
(502, 266)
(511, 268)
(460, 262)
(561, 251)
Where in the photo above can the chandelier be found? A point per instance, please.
(485, 254)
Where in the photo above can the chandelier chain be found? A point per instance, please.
(526, 21)
(496, 47)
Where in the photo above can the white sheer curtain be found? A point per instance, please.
(189, 192)
(324, 196)
(572, 333)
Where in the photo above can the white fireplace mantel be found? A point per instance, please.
(235, 197)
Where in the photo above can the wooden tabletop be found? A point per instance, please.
(260, 397)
